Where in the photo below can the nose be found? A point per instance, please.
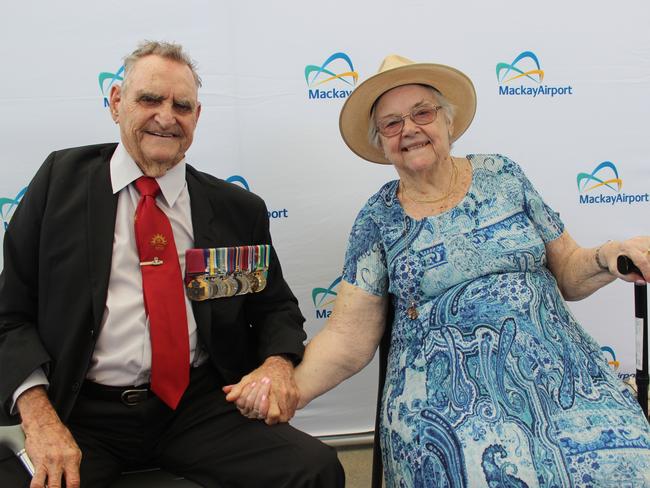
(410, 127)
(165, 116)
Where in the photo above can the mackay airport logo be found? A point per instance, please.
(614, 363)
(241, 181)
(7, 207)
(323, 298)
(107, 80)
(603, 186)
(335, 78)
(525, 76)
(610, 355)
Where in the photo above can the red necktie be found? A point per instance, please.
(164, 296)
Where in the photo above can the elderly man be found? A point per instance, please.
(107, 361)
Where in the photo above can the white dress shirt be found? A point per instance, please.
(122, 354)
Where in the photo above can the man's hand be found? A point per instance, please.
(49, 444)
(268, 393)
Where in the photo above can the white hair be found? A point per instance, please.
(167, 50)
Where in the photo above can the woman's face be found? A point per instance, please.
(417, 147)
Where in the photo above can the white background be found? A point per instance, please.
(258, 122)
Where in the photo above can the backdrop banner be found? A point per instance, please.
(562, 89)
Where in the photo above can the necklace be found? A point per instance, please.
(450, 187)
(412, 309)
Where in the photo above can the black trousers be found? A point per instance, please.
(205, 439)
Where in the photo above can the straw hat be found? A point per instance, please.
(394, 71)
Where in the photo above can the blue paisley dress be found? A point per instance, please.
(494, 383)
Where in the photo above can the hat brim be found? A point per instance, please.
(354, 121)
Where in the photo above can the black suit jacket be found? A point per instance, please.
(57, 262)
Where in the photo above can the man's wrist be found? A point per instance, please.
(37, 378)
(286, 359)
(35, 409)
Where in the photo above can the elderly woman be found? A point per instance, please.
(490, 381)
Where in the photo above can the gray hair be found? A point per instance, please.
(447, 108)
(167, 50)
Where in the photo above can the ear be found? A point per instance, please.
(198, 112)
(115, 98)
(450, 129)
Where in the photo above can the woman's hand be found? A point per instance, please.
(269, 392)
(253, 400)
(581, 271)
(636, 248)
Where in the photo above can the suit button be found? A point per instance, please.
(92, 332)
(75, 386)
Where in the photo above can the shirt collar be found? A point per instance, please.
(124, 171)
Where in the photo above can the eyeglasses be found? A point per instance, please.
(421, 114)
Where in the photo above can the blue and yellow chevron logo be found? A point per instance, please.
(509, 72)
(7, 207)
(322, 297)
(610, 355)
(611, 179)
(106, 81)
(239, 180)
(317, 75)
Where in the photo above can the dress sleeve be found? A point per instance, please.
(546, 221)
(365, 258)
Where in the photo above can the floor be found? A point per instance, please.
(357, 462)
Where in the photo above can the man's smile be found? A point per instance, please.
(160, 134)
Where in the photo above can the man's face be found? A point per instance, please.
(157, 109)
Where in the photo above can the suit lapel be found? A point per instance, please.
(102, 210)
(203, 208)
(203, 213)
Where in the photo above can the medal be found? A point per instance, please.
(216, 287)
(244, 284)
(230, 286)
(226, 271)
(198, 289)
(253, 282)
(261, 279)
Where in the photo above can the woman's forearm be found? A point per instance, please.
(584, 272)
(345, 345)
(331, 357)
(581, 271)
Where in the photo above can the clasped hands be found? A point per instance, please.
(267, 393)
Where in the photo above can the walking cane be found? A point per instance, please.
(12, 437)
(626, 266)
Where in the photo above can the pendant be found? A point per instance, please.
(412, 311)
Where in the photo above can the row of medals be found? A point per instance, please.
(204, 287)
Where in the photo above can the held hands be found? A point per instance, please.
(49, 444)
(636, 248)
(268, 393)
